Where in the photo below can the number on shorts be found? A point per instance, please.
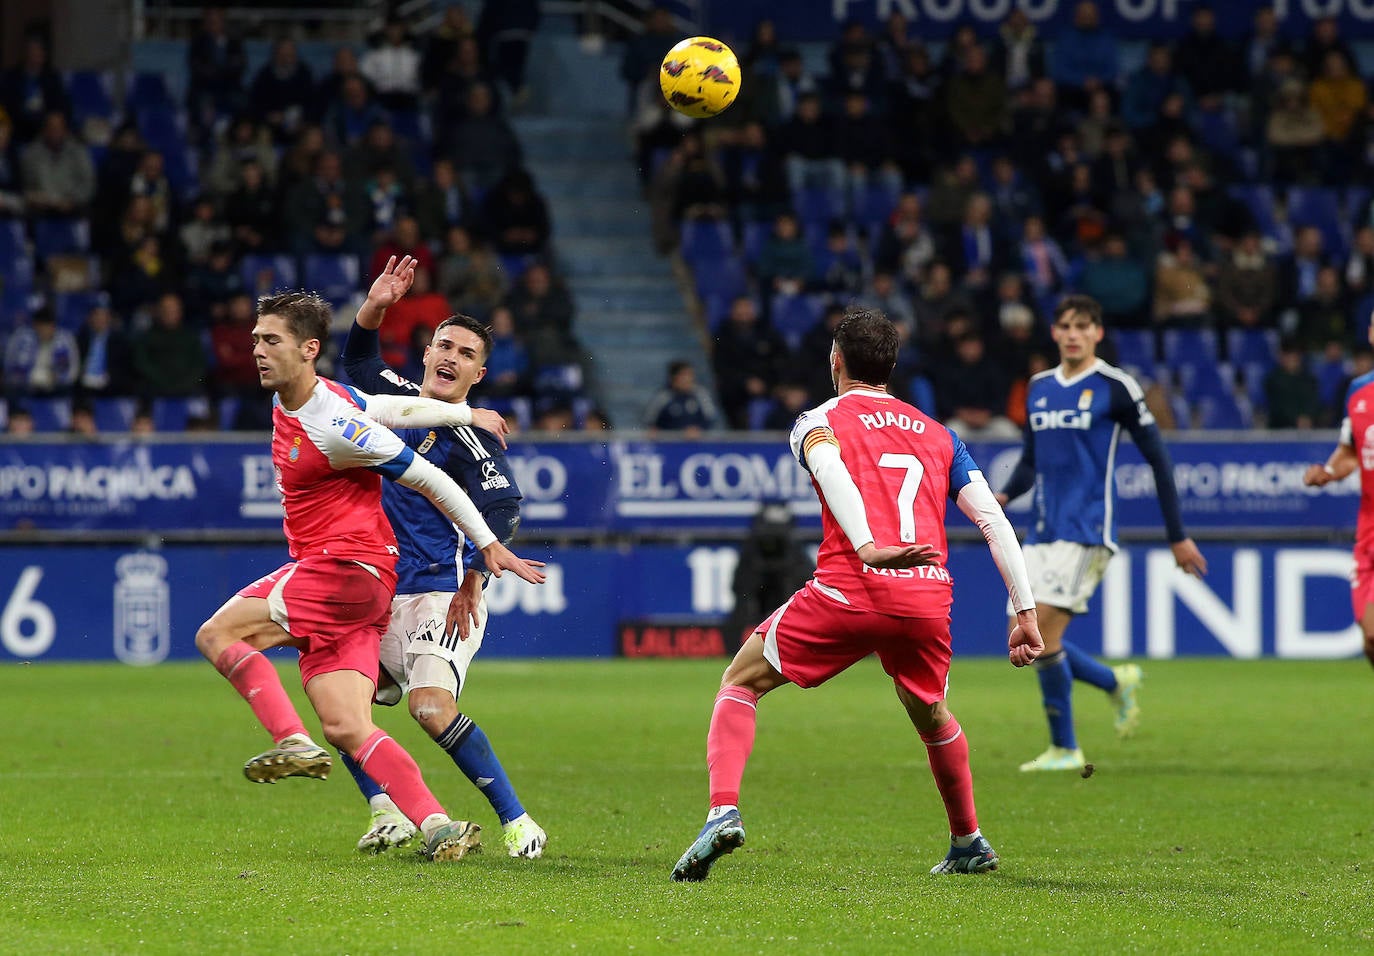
(906, 495)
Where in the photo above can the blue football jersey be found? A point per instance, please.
(1073, 426)
(431, 547)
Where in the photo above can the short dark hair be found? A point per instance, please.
(675, 366)
(1085, 304)
(306, 314)
(868, 341)
(479, 329)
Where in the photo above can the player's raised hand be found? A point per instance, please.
(899, 556)
(500, 558)
(462, 610)
(1024, 643)
(392, 285)
(491, 421)
(1189, 558)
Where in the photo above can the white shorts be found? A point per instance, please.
(1064, 574)
(414, 650)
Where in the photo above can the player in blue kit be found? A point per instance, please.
(1074, 416)
(439, 614)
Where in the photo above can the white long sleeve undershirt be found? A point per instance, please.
(841, 494)
(439, 488)
(978, 503)
(412, 411)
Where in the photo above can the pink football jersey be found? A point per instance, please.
(906, 466)
(1357, 430)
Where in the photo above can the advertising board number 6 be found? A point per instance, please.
(22, 609)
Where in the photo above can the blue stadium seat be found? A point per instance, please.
(1190, 347)
(716, 307)
(60, 236)
(228, 411)
(1247, 346)
(50, 414)
(13, 242)
(923, 394)
(91, 94)
(816, 204)
(1135, 351)
(722, 277)
(1260, 201)
(1218, 132)
(705, 239)
(757, 412)
(1330, 377)
(147, 89)
(795, 315)
(1361, 313)
(1357, 211)
(1320, 207)
(1205, 381)
(114, 414)
(267, 273)
(874, 206)
(515, 265)
(413, 125)
(172, 414)
(71, 308)
(1183, 413)
(16, 289)
(755, 234)
(335, 277)
(1215, 412)
(183, 171)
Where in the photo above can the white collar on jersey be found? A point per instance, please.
(1059, 373)
(867, 390)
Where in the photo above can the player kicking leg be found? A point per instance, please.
(434, 671)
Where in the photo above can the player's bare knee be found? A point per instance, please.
(433, 709)
(347, 733)
(211, 640)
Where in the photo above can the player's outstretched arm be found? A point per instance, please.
(978, 503)
(899, 556)
(412, 411)
(1024, 643)
(387, 289)
(1340, 465)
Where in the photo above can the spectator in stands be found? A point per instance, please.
(553, 415)
(1290, 390)
(516, 216)
(202, 231)
(950, 194)
(976, 250)
(20, 422)
(935, 301)
(485, 148)
(1325, 39)
(11, 189)
(865, 150)
(1014, 339)
(143, 423)
(1181, 295)
(212, 283)
(690, 185)
(644, 51)
(1013, 199)
(755, 180)
(964, 38)
(1293, 132)
(1018, 55)
(915, 114)
(150, 181)
(1299, 280)
(1119, 281)
(505, 29)
(1149, 86)
(763, 53)
(330, 89)
(1359, 267)
(905, 246)
(393, 68)
(1083, 222)
(1093, 126)
(1042, 260)
(539, 302)
(884, 295)
(440, 202)
(215, 61)
(1262, 43)
(976, 100)
(461, 71)
(245, 142)
(784, 265)
(106, 361)
(300, 159)
(1247, 285)
(508, 365)
(808, 145)
(41, 359)
(790, 399)
(283, 92)
(141, 275)
(58, 177)
(839, 268)
(1325, 316)
(470, 276)
(1085, 56)
(168, 356)
(1113, 171)
(422, 308)
(385, 198)
(681, 405)
(749, 359)
(251, 211)
(1035, 123)
(1208, 62)
(813, 354)
(354, 112)
(379, 148)
(1339, 97)
(454, 28)
(786, 89)
(235, 373)
(83, 421)
(325, 213)
(971, 392)
(854, 65)
(32, 90)
(657, 129)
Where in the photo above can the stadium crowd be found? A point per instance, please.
(1211, 194)
(136, 229)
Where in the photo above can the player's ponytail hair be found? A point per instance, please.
(868, 341)
(306, 314)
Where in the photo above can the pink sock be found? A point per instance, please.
(397, 773)
(948, 751)
(729, 742)
(254, 677)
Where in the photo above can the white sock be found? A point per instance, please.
(964, 842)
(382, 802)
(433, 822)
(718, 812)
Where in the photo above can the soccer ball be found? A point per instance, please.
(699, 77)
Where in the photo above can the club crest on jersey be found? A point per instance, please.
(355, 430)
(492, 477)
(1360, 407)
(428, 443)
(295, 451)
(1085, 400)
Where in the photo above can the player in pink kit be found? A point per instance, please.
(1356, 451)
(883, 471)
(331, 449)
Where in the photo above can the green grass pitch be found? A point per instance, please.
(1239, 820)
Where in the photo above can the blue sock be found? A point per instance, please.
(365, 783)
(471, 751)
(1056, 689)
(1087, 668)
